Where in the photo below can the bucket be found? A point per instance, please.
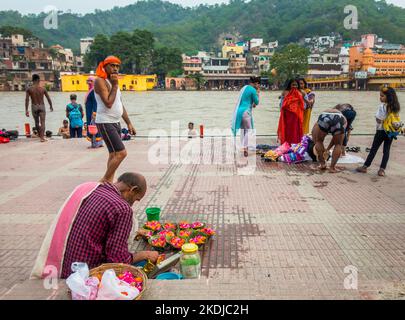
(153, 214)
(169, 276)
(93, 129)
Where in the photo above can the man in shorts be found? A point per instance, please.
(333, 122)
(110, 110)
(37, 93)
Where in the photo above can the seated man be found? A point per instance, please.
(333, 122)
(94, 226)
(64, 131)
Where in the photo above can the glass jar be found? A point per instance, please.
(190, 261)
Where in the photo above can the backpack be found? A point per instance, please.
(75, 116)
(393, 125)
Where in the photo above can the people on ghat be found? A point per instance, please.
(75, 114)
(389, 105)
(333, 122)
(36, 93)
(309, 98)
(243, 114)
(110, 110)
(91, 113)
(94, 226)
(290, 126)
(64, 131)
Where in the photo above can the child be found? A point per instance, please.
(389, 105)
(75, 114)
(64, 131)
(192, 133)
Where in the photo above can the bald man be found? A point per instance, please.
(103, 224)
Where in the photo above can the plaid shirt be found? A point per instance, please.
(100, 231)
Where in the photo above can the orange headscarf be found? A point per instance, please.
(101, 71)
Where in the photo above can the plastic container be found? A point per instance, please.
(153, 214)
(169, 276)
(190, 261)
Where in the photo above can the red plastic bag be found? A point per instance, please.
(4, 140)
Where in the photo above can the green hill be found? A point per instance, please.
(200, 27)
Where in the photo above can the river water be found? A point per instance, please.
(156, 110)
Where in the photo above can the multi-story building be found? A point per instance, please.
(5, 48)
(192, 65)
(366, 60)
(237, 64)
(85, 45)
(216, 66)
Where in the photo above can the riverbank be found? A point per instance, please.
(285, 232)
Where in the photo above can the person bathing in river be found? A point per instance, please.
(243, 114)
(333, 122)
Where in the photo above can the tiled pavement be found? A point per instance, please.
(285, 232)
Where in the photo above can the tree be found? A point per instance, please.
(199, 79)
(167, 61)
(290, 62)
(99, 50)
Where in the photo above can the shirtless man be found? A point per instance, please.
(37, 93)
(331, 121)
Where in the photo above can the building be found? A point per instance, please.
(231, 48)
(369, 40)
(192, 65)
(237, 64)
(366, 60)
(255, 43)
(64, 58)
(5, 48)
(216, 66)
(78, 82)
(85, 45)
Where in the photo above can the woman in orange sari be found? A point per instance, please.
(290, 126)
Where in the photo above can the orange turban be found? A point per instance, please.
(101, 71)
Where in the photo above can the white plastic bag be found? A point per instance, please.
(82, 287)
(112, 288)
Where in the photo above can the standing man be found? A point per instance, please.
(110, 110)
(37, 93)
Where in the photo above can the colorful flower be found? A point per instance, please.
(153, 225)
(184, 225)
(170, 226)
(198, 240)
(208, 232)
(177, 242)
(158, 241)
(184, 233)
(197, 225)
(166, 233)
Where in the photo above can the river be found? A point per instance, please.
(158, 109)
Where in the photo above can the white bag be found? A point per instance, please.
(82, 287)
(112, 288)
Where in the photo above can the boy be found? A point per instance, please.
(75, 114)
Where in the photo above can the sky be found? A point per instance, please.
(80, 6)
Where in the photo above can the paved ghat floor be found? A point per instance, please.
(285, 232)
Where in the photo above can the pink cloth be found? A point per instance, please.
(65, 221)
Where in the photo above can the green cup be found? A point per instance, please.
(153, 214)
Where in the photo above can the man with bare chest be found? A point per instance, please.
(37, 93)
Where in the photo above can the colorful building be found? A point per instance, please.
(78, 82)
(231, 48)
(377, 64)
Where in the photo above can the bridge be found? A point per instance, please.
(348, 82)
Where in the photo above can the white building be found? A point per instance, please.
(344, 59)
(255, 43)
(85, 44)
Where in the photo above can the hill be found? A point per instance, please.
(200, 27)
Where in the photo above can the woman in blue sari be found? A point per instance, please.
(243, 115)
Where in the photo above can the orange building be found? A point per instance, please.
(383, 64)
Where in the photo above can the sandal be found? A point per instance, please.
(362, 169)
(381, 173)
